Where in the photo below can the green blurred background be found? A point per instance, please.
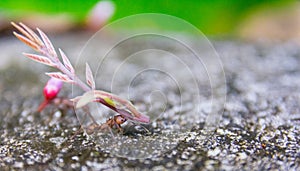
(212, 17)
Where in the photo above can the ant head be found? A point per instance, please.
(120, 119)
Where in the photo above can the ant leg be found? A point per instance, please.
(92, 128)
(77, 132)
(87, 112)
(111, 133)
(144, 128)
(83, 119)
(120, 129)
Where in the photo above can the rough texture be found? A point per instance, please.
(259, 129)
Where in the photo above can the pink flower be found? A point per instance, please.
(50, 91)
(52, 88)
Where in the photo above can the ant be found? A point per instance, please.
(114, 122)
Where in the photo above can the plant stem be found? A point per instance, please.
(64, 70)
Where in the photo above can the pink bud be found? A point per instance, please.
(52, 88)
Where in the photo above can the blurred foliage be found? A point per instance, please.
(211, 16)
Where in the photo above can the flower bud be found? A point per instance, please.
(52, 88)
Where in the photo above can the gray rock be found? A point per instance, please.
(259, 129)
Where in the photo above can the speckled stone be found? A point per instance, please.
(259, 129)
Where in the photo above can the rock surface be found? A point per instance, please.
(259, 129)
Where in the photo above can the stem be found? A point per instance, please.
(43, 105)
(73, 76)
(64, 70)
